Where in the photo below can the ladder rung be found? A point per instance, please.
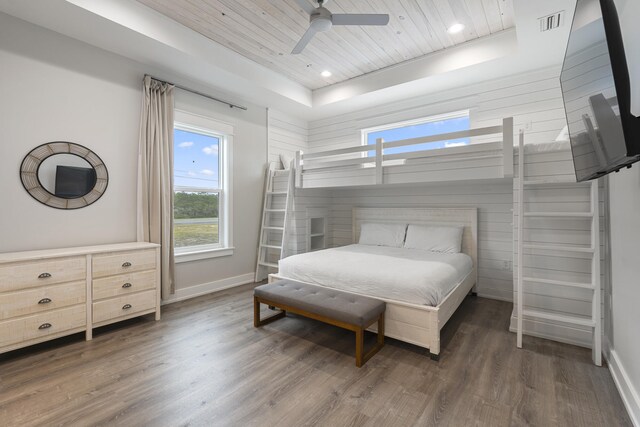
(559, 283)
(268, 264)
(275, 210)
(277, 193)
(574, 320)
(274, 228)
(560, 214)
(559, 248)
(271, 246)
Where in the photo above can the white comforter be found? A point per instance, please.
(410, 275)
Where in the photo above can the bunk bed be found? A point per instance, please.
(361, 165)
(408, 320)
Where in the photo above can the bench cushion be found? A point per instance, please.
(349, 308)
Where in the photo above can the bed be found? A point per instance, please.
(490, 156)
(415, 313)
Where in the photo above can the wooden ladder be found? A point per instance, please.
(273, 227)
(595, 320)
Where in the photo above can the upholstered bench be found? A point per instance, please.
(353, 312)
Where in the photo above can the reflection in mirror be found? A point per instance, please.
(67, 176)
(64, 175)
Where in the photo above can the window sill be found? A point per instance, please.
(204, 254)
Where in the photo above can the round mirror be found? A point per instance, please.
(64, 175)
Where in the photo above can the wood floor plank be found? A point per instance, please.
(205, 364)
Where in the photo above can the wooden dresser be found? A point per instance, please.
(51, 293)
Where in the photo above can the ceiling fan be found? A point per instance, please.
(322, 20)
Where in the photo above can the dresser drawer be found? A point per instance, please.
(41, 325)
(42, 299)
(29, 274)
(123, 284)
(123, 306)
(123, 262)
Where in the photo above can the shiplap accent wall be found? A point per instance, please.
(286, 135)
(535, 102)
(533, 99)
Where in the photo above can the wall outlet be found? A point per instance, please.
(506, 265)
(528, 125)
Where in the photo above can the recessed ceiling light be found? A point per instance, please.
(326, 73)
(455, 28)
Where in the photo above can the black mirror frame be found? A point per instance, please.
(31, 182)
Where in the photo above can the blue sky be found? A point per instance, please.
(195, 159)
(425, 129)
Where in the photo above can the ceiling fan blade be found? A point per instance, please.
(306, 6)
(304, 41)
(359, 19)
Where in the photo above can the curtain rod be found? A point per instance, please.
(230, 104)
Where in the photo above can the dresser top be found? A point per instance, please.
(65, 252)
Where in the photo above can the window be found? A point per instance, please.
(434, 125)
(201, 185)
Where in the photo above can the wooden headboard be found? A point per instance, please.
(468, 217)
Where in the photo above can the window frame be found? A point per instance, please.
(195, 123)
(364, 132)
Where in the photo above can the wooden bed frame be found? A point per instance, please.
(414, 323)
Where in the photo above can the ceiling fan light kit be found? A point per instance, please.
(321, 19)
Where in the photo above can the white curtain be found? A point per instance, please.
(155, 175)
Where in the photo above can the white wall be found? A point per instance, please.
(623, 333)
(55, 88)
(287, 135)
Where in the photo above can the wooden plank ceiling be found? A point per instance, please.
(265, 31)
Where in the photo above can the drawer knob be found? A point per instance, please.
(126, 306)
(127, 285)
(44, 301)
(126, 264)
(44, 276)
(45, 326)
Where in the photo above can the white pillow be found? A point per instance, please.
(286, 160)
(435, 238)
(391, 235)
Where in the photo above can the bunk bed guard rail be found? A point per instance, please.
(482, 158)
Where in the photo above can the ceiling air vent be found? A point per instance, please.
(551, 22)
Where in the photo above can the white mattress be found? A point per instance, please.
(409, 275)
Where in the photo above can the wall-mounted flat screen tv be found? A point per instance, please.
(604, 135)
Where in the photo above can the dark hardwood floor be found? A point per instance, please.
(205, 364)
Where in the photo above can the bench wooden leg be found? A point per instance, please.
(256, 314)
(360, 358)
(359, 346)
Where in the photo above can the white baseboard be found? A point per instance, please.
(207, 288)
(494, 295)
(628, 392)
(554, 331)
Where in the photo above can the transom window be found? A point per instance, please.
(433, 125)
(200, 184)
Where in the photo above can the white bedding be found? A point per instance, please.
(410, 275)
